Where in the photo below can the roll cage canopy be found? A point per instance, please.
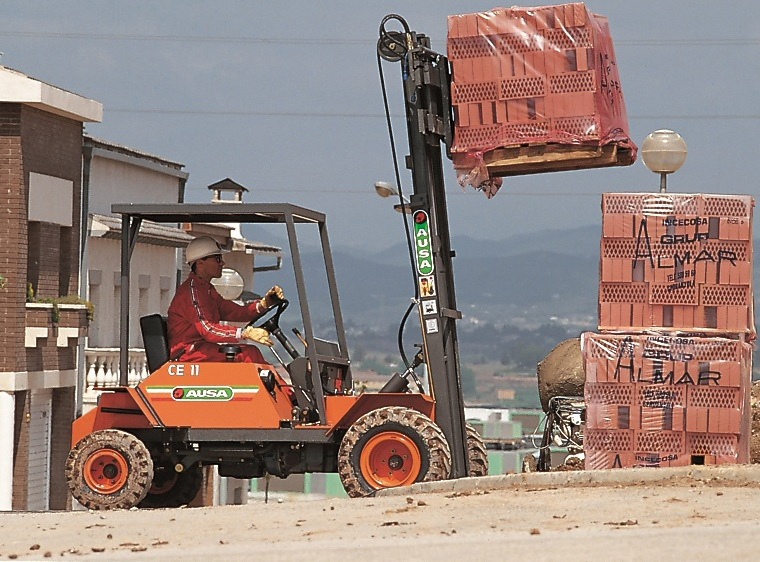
(132, 215)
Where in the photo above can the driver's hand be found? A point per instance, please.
(258, 335)
(273, 296)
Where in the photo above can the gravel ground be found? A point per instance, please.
(712, 520)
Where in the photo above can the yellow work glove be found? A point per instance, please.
(258, 335)
(273, 296)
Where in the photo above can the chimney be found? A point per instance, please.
(227, 191)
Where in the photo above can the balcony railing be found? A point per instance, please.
(102, 366)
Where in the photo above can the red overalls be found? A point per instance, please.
(194, 327)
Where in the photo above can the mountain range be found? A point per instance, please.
(526, 279)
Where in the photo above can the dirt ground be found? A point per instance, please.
(706, 521)
(713, 522)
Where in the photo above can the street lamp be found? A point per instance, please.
(384, 189)
(663, 152)
(230, 285)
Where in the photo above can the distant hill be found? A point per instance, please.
(581, 241)
(532, 278)
(521, 280)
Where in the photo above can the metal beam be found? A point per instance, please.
(311, 351)
(333, 286)
(281, 435)
(124, 302)
(426, 83)
(218, 212)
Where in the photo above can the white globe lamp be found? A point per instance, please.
(663, 152)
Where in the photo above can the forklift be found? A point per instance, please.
(145, 445)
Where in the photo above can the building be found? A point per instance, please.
(59, 260)
(117, 174)
(41, 149)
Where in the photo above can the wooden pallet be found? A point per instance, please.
(554, 157)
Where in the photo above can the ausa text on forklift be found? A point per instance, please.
(144, 445)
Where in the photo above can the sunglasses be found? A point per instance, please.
(217, 257)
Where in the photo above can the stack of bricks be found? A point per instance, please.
(545, 74)
(665, 400)
(668, 377)
(677, 261)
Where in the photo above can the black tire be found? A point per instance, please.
(391, 447)
(109, 469)
(171, 488)
(477, 456)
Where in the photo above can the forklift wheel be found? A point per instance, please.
(391, 447)
(173, 489)
(477, 456)
(109, 469)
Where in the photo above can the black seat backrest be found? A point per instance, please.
(155, 340)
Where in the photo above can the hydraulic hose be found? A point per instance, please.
(387, 40)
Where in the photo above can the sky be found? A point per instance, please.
(285, 98)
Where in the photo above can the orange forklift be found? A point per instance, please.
(145, 445)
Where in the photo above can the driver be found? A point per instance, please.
(193, 325)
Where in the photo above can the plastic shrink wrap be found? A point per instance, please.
(676, 261)
(534, 75)
(668, 378)
(665, 400)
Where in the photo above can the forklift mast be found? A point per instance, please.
(427, 84)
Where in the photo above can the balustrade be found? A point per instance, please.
(103, 370)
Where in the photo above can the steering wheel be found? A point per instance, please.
(272, 323)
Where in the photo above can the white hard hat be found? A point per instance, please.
(202, 247)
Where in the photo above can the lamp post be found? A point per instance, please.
(663, 152)
(384, 189)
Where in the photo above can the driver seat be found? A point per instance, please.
(155, 340)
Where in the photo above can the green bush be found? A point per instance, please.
(68, 299)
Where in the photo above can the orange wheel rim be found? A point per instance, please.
(106, 471)
(390, 459)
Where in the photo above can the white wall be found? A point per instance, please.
(153, 267)
(118, 182)
(7, 409)
(51, 199)
(149, 265)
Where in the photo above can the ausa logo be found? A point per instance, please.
(203, 393)
(422, 243)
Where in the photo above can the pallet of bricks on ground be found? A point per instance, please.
(535, 90)
(668, 376)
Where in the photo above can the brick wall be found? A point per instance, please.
(13, 234)
(47, 255)
(44, 254)
(60, 438)
(47, 355)
(21, 450)
(45, 263)
(52, 145)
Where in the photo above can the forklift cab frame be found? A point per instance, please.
(318, 352)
